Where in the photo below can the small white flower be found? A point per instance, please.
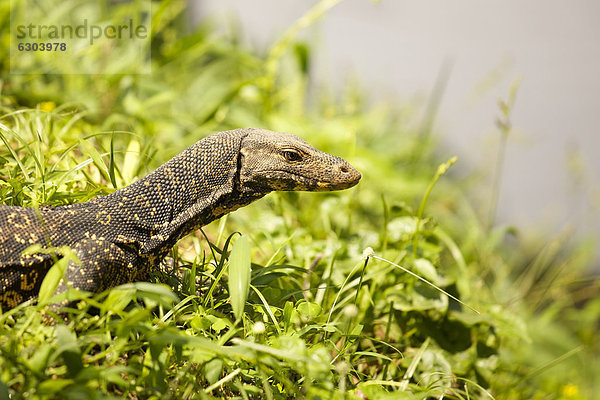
(368, 252)
(350, 310)
(258, 328)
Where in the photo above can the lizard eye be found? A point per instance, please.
(290, 155)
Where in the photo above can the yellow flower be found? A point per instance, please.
(570, 391)
(47, 106)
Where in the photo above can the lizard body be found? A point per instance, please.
(122, 236)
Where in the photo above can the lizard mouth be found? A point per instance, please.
(349, 178)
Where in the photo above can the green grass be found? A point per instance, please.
(313, 318)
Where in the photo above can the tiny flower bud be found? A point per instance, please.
(258, 328)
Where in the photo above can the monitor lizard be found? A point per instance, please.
(121, 237)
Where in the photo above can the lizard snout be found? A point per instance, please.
(342, 176)
(348, 174)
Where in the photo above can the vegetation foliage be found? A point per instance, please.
(318, 314)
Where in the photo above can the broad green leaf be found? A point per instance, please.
(239, 275)
(69, 349)
(52, 279)
(200, 323)
(56, 273)
(357, 330)
(212, 370)
(217, 324)
(52, 386)
(39, 360)
(425, 268)
(151, 293)
(308, 309)
(118, 299)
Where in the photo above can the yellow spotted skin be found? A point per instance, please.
(121, 237)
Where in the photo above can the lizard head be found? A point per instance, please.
(282, 161)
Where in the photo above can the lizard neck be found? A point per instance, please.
(191, 190)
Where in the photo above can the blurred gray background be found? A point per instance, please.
(396, 49)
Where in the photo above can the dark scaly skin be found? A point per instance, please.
(121, 237)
